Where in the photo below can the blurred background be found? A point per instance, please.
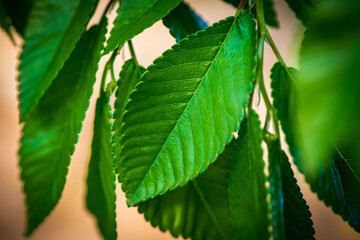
(70, 219)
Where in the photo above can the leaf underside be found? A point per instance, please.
(303, 9)
(101, 196)
(183, 21)
(198, 210)
(187, 104)
(51, 130)
(134, 16)
(47, 46)
(246, 183)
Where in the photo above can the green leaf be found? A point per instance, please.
(291, 218)
(329, 83)
(51, 130)
(183, 21)
(269, 11)
(246, 183)
(134, 16)
(16, 12)
(5, 21)
(198, 210)
(101, 196)
(326, 180)
(47, 46)
(129, 77)
(276, 190)
(186, 107)
(303, 9)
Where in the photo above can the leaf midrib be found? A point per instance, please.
(185, 109)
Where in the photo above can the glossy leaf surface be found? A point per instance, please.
(246, 183)
(198, 210)
(186, 107)
(183, 21)
(47, 46)
(51, 130)
(134, 16)
(101, 196)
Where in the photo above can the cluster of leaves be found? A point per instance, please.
(170, 138)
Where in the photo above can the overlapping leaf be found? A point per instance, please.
(246, 183)
(51, 130)
(269, 11)
(303, 9)
(54, 27)
(183, 21)
(186, 107)
(291, 218)
(134, 16)
(326, 180)
(198, 210)
(101, 196)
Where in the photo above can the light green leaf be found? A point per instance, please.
(184, 110)
(198, 210)
(53, 29)
(51, 130)
(246, 183)
(269, 11)
(303, 10)
(101, 196)
(183, 21)
(129, 77)
(134, 16)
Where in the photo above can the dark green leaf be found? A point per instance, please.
(246, 183)
(51, 130)
(134, 16)
(198, 210)
(101, 196)
(183, 21)
(54, 27)
(5, 21)
(269, 11)
(303, 9)
(129, 77)
(186, 107)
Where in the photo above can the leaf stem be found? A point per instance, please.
(241, 5)
(132, 52)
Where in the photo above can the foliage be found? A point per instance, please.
(170, 136)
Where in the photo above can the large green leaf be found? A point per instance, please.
(290, 216)
(134, 16)
(198, 210)
(326, 181)
(246, 183)
(269, 11)
(129, 77)
(54, 27)
(51, 130)
(186, 107)
(183, 21)
(101, 196)
(303, 9)
(329, 86)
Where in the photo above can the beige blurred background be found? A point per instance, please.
(70, 220)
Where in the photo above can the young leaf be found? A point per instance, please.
(276, 190)
(329, 86)
(51, 130)
(129, 77)
(134, 16)
(269, 11)
(183, 21)
(246, 183)
(186, 107)
(326, 180)
(198, 210)
(47, 46)
(289, 212)
(101, 196)
(303, 9)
